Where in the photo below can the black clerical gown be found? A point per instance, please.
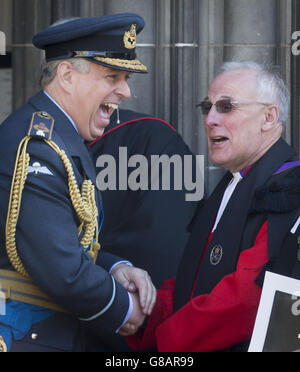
(213, 302)
(146, 227)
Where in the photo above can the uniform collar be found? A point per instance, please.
(67, 115)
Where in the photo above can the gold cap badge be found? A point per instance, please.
(130, 38)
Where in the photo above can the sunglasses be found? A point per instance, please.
(225, 106)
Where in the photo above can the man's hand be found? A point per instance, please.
(136, 320)
(137, 280)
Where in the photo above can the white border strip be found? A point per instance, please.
(294, 229)
(106, 307)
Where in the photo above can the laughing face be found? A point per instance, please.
(235, 139)
(94, 97)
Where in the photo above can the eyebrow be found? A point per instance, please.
(115, 71)
(222, 97)
(112, 70)
(226, 97)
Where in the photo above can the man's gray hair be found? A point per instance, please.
(270, 86)
(49, 69)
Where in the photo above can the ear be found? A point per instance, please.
(271, 118)
(65, 76)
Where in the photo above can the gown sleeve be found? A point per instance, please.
(212, 322)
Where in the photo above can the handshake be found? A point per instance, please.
(143, 293)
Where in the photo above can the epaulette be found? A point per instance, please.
(41, 125)
(84, 203)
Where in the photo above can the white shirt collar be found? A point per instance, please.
(237, 176)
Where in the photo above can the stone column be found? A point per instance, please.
(91, 8)
(163, 61)
(76, 8)
(64, 9)
(29, 17)
(210, 56)
(184, 67)
(142, 85)
(5, 60)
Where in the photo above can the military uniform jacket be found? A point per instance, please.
(47, 236)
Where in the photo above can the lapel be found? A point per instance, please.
(283, 246)
(202, 226)
(230, 230)
(64, 130)
(277, 224)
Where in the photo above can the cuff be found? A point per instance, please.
(128, 315)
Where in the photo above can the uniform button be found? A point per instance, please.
(34, 336)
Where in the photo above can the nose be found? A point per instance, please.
(213, 118)
(123, 89)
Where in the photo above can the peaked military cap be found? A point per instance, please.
(109, 41)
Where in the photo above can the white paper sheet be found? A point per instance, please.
(273, 285)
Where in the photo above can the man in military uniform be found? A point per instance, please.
(213, 302)
(61, 294)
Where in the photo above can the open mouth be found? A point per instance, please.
(109, 108)
(219, 140)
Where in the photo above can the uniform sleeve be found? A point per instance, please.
(211, 322)
(48, 244)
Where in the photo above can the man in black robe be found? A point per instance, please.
(248, 225)
(148, 227)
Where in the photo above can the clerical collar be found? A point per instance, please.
(240, 175)
(237, 176)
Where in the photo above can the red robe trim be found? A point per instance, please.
(131, 122)
(211, 322)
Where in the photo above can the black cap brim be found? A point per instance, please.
(133, 66)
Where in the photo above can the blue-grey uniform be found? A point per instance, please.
(59, 293)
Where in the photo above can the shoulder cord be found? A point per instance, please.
(84, 204)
